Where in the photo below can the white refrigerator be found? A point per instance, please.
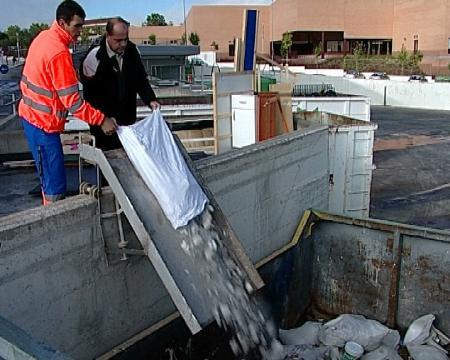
(243, 121)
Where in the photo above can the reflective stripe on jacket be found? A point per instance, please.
(49, 84)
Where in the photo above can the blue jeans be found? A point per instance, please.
(49, 159)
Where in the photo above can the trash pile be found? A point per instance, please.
(350, 337)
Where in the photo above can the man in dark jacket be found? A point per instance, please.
(112, 75)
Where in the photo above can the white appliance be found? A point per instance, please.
(243, 122)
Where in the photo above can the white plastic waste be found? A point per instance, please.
(353, 349)
(382, 353)
(309, 352)
(307, 334)
(152, 150)
(426, 352)
(421, 331)
(370, 334)
(392, 339)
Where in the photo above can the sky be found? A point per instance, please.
(25, 12)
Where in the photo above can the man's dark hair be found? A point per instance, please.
(113, 21)
(68, 9)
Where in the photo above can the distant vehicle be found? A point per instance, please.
(379, 76)
(197, 62)
(353, 74)
(166, 82)
(156, 82)
(417, 78)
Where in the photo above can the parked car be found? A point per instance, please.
(379, 76)
(417, 78)
(353, 74)
(197, 62)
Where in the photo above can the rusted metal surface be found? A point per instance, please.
(386, 271)
(352, 270)
(397, 246)
(425, 282)
(390, 272)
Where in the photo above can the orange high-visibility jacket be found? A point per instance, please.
(49, 84)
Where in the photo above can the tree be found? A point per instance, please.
(4, 40)
(416, 58)
(36, 28)
(25, 36)
(98, 30)
(286, 43)
(183, 38)
(358, 53)
(12, 31)
(152, 39)
(155, 19)
(84, 37)
(403, 57)
(194, 39)
(317, 53)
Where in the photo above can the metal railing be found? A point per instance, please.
(8, 104)
(312, 89)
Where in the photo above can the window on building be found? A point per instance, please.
(416, 43)
(335, 46)
(448, 46)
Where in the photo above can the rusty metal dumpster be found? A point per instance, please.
(335, 264)
(386, 271)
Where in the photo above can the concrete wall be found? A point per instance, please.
(264, 189)
(417, 95)
(56, 284)
(15, 344)
(13, 142)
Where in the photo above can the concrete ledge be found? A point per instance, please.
(13, 142)
(16, 344)
(57, 284)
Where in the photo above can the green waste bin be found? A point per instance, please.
(266, 81)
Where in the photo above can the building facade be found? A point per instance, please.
(335, 26)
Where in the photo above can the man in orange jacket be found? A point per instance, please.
(49, 88)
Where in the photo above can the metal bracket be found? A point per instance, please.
(95, 191)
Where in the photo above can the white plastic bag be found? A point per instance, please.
(382, 353)
(309, 352)
(307, 334)
(370, 334)
(419, 331)
(152, 150)
(422, 331)
(426, 352)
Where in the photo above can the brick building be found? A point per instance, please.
(337, 25)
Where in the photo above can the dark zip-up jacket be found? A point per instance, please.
(113, 91)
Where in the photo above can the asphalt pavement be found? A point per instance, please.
(411, 182)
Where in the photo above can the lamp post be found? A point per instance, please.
(18, 48)
(185, 26)
(271, 43)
